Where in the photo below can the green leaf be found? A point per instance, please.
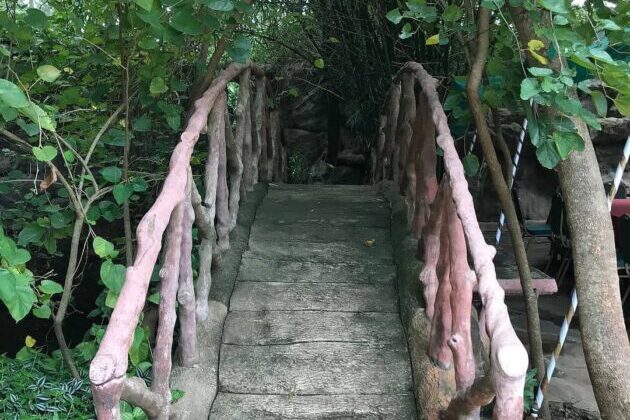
(148, 43)
(158, 86)
(176, 394)
(220, 5)
(50, 287)
(557, 6)
(154, 298)
(540, 71)
(240, 49)
(142, 123)
(5, 52)
(30, 233)
(111, 174)
(560, 20)
(103, 247)
(471, 165)
(492, 4)
(452, 13)
(529, 88)
(145, 4)
(111, 299)
(547, 154)
(35, 18)
(45, 154)
(16, 293)
(184, 21)
(590, 118)
(394, 16)
(319, 63)
(122, 192)
(42, 311)
(48, 73)
(406, 32)
(12, 95)
(39, 117)
(433, 40)
(622, 102)
(112, 275)
(567, 142)
(601, 105)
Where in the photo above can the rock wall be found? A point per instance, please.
(313, 127)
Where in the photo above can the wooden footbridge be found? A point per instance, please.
(310, 324)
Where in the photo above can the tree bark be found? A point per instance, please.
(605, 341)
(503, 193)
(404, 129)
(439, 351)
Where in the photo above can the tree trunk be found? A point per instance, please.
(503, 193)
(605, 341)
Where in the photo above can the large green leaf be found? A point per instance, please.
(12, 95)
(452, 13)
(157, 86)
(184, 21)
(547, 154)
(394, 16)
(45, 154)
(48, 73)
(220, 5)
(39, 117)
(16, 293)
(600, 102)
(50, 287)
(240, 49)
(145, 4)
(31, 233)
(529, 88)
(111, 174)
(622, 102)
(103, 247)
(113, 275)
(122, 192)
(35, 18)
(567, 142)
(557, 6)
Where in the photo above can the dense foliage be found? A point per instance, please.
(93, 94)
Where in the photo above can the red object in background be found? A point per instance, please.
(619, 207)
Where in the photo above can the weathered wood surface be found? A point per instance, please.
(313, 407)
(345, 297)
(315, 369)
(359, 234)
(313, 330)
(254, 268)
(333, 252)
(287, 327)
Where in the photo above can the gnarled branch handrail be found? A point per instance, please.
(176, 207)
(448, 283)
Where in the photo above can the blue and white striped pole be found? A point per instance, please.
(564, 330)
(517, 158)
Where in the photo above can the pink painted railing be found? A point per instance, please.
(444, 220)
(236, 162)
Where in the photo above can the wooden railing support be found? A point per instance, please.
(177, 207)
(449, 224)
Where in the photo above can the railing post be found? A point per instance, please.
(237, 157)
(404, 129)
(391, 139)
(216, 129)
(186, 291)
(169, 274)
(441, 323)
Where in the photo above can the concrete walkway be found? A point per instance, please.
(313, 329)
